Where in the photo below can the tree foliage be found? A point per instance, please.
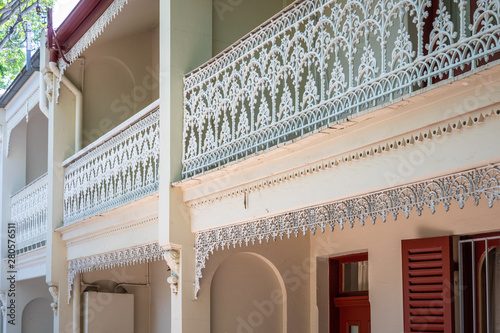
(14, 15)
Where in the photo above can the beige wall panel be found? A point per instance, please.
(247, 294)
(291, 259)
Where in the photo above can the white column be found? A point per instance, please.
(185, 43)
(76, 304)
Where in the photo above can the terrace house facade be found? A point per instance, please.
(256, 166)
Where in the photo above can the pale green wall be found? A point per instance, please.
(120, 79)
(232, 19)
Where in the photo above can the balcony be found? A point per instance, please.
(28, 211)
(118, 168)
(318, 62)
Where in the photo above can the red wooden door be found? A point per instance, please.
(354, 314)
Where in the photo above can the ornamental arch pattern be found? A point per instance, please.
(321, 61)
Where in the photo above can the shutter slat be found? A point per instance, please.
(424, 249)
(426, 319)
(425, 264)
(427, 328)
(427, 312)
(426, 288)
(426, 296)
(426, 256)
(427, 304)
(427, 278)
(426, 272)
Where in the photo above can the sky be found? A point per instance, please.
(61, 10)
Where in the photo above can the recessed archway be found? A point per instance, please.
(248, 295)
(38, 316)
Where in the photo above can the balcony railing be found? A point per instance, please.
(28, 210)
(319, 61)
(120, 167)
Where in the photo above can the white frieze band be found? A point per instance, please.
(131, 256)
(459, 187)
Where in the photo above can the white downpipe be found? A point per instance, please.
(79, 104)
(76, 303)
(42, 99)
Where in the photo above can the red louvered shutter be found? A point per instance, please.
(428, 285)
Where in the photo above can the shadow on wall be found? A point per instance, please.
(247, 295)
(38, 317)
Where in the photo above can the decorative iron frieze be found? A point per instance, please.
(455, 188)
(122, 169)
(321, 61)
(131, 256)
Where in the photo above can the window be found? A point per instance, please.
(349, 304)
(479, 274)
(428, 284)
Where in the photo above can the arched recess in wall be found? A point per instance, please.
(38, 317)
(108, 85)
(247, 295)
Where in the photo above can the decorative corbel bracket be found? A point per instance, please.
(54, 292)
(48, 78)
(172, 257)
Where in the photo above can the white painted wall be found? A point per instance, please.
(37, 317)
(34, 313)
(13, 179)
(160, 297)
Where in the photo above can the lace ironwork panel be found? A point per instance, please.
(120, 170)
(321, 61)
(28, 211)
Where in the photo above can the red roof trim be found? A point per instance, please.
(81, 18)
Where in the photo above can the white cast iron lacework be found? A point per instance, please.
(320, 61)
(458, 187)
(28, 210)
(132, 256)
(120, 170)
